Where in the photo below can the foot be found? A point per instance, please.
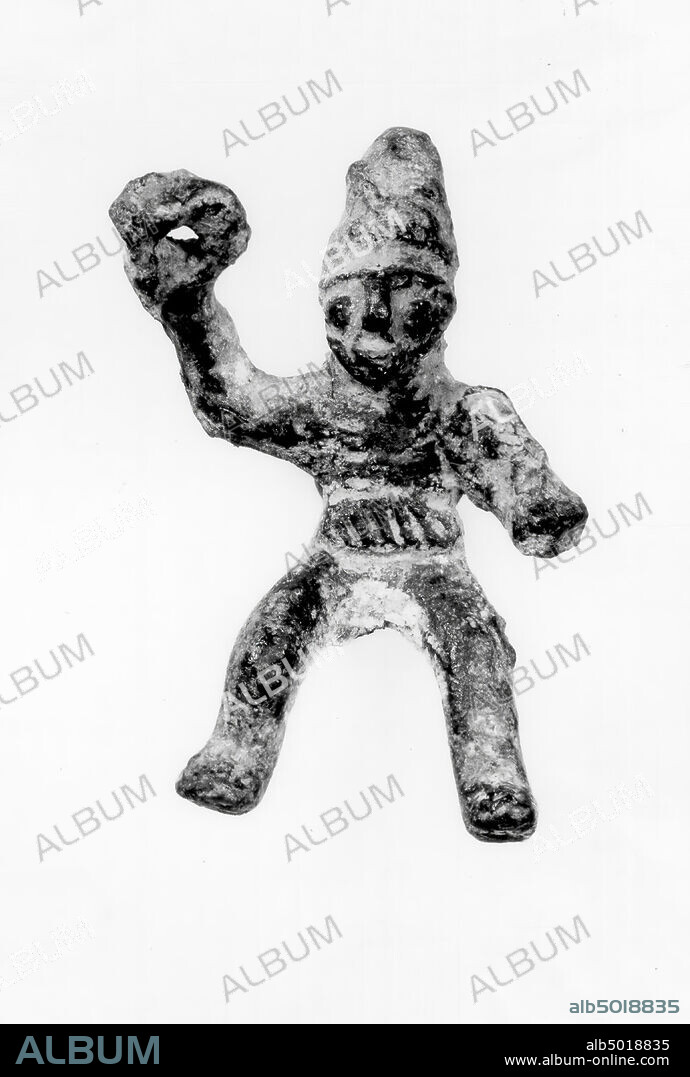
(214, 781)
(499, 813)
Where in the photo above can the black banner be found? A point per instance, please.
(503, 1047)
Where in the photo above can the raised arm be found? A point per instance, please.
(174, 279)
(504, 470)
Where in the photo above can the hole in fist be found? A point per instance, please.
(183, 232)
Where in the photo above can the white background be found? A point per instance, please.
(177, 896)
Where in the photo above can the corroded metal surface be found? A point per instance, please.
(392, 441)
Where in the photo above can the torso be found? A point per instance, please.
(387, 485)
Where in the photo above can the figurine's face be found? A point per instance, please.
(380, 325)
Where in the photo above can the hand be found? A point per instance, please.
(160, 266)
(549, 526)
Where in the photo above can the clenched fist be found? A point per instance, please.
(160, 266)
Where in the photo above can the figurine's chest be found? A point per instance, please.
(358, 447)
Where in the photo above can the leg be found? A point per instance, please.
(474, 661)
(231, 772)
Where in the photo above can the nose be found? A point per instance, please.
(377, 310)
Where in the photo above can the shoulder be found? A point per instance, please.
(489, 403)
(475, 406)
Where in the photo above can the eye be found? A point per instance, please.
(339, 312)
(401, 280)
(420, 320)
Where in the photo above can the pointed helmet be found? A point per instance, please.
(396, 212)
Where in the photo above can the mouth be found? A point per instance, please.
(374, 349)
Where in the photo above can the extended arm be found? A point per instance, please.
(174, 279)
(504, 470)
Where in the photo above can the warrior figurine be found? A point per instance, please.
(392, 442)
